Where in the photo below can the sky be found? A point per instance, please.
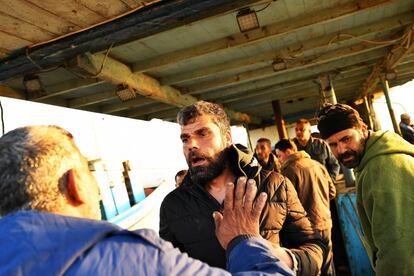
(402, 99)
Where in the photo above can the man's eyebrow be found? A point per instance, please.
(184, 135)
(203, 129)
(343, 138)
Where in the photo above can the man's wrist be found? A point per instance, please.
(235, 241)
(294, 260)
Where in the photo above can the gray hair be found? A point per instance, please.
(34, 161)
(189, 113)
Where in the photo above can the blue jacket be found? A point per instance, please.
(38, 243)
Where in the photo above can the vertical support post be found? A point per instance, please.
(327, 89)
(246, 127)
(377, 124)
(329, 96)
(280, 123)
(389, 105)
(369, 112)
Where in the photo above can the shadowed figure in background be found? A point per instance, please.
(407, 128)
(317, 148)
(264, 155)
(179, 177)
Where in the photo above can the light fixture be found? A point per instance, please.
(391, 75)
(247, 20)
(33, 85)
(279, 65)
(125, 93)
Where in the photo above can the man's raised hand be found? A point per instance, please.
(241, 214)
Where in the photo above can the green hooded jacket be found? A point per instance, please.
(385, 203)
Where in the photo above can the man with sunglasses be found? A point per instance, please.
(384, 169)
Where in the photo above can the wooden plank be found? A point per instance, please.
(106, 8)
(353, 62)
(67, 87)
(71, 11)
(4, 52)
(274, 30)
(118, 73)
(391, 60)
(127, 28)
(6, 91)
(22, 29)
(137, 3)
(134, 103)
(11, 42)
(92, 99)
(36, 16)
(141, 111)
(291, 66)
(291, 50)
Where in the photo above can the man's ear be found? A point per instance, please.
(364, 130)
(75, 192)
(229, 140)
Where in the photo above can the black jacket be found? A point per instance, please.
(272, 164)
(186, 218)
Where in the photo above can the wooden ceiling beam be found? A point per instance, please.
(297, 49)
(155, 18)
(274, 30)
(140, 111)
(391, 60)
(342, 55)
(92, 99)
(67, 87)
(133, 103)
(115, 72)
(9, 92)
(296, 92)
(271, 83)
(293, 85)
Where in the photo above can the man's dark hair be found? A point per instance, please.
(303, 121)
(189, 114)
(264, 140)
(180, 173)
(285, 144)
(337, 117)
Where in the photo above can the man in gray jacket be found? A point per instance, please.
(317, 148)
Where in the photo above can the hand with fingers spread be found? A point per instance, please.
(240, 215)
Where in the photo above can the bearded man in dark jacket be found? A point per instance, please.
(264, 155)
(213, 160)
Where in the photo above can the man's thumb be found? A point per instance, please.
(217, 218)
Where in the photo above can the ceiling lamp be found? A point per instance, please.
(33, 85)
(125, 93)
(247, 20)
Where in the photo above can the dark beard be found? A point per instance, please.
(202, 175)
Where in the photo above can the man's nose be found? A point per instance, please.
(341, 148)
(192, 144)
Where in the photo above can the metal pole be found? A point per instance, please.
(370, 121)
(389, 105)
(327, 88)
(246, 127)
(329, 96)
